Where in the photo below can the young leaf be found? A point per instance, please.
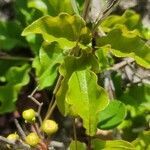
(112, 115)
(70, 65)
(50, 56)
(112, 145)
(65, 29)
(84, 92)
(17, 77)
(127, 45)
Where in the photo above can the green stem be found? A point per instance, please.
(15, 58)
(50, 111)
(52, 106)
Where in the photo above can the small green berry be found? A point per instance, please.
(13, 137)
(49, 127)
(29, 115)
(32, 139)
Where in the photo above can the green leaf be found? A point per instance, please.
(112, 145)
(103, 58)
(137, 98)
(6, 64)
(51, 7)
(84, 92)
(130, 19)
(70, 65)
(142, 142)
(46, 64)
(76, 145)
(112, 115)
(10, 35)
(17, 77)
(65, 29)
(127, 45)
(38, 4)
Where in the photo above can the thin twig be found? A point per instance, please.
(57, 144)
(109, 85)
(52, 106)
(86, 9)
(122, 64)
(7, 57)
(38, 103)
(105, 14)
(37, 130)
(50, 111)
(5, 140)
(20, 130)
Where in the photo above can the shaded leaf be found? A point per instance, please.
(17, 77)
(50, 56)
(142, 142)
(10, 35)
(137, 97)
(112, 115)
(84, 92)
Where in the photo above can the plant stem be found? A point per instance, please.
(5, 140)
(89, 143)
(20, 130)
(37, 130)
(122, 64)
(50, 111)
(75, 134)
(52, 106)
(107, 11)
(86, 8)
(38, 103)
(7, 57)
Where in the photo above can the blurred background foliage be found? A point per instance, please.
(18, 52)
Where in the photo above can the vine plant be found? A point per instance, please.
(82, 60)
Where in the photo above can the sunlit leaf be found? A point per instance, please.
(70, 65)
(112, 145)
(130, 20)
(77, 145)
(65, 29)
(51, 7)
(127, 45)
(84, 92)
